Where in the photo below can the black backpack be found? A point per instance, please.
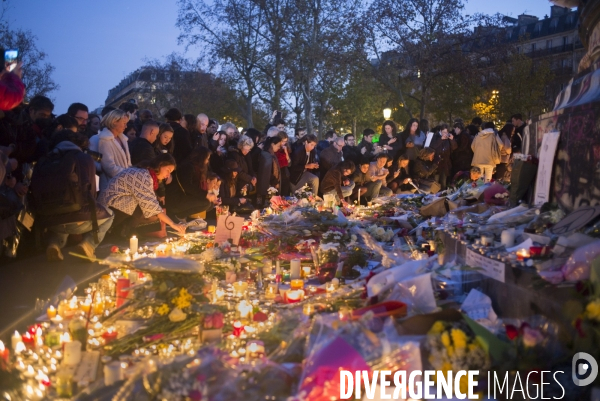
(56, 188)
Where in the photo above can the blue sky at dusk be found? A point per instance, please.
(95, 44)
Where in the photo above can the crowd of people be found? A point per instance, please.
(166, 169)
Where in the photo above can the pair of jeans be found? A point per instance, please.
(346, 191)
(60, 233)
(442, 179)
(307, 178)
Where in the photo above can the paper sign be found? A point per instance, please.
(229, 227)
(491, 268)
(544, 173)
(97, 183)
(428, 140)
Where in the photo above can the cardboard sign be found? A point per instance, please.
(491, 268)
(229, 228)
(544, 173)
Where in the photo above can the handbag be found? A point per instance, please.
(496, 155)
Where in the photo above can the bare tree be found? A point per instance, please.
(37, 73)
(229, 29)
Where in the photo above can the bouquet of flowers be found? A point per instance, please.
(380, 234)
(454, 347)
(272, 191)
(278, 203)
(305, 196)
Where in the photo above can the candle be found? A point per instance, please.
(240, 287)
(271, 291)
(245, 309)
(267, 266)
(113, 372)
(51, 312)
(294, 296)
(308, 309)
(297, 284)
(72, 353)
(20, 348)
(507, 238)
(64, 385)
(212, 229)
(15, 339)
(86, 305)
(27, 338)
(133, 243)
(4, 353)
(29, 373)
(238, 328)
(109, 336)
(535, 251)
(122, 291)
(523, 254)
(306, 271)
(487, 239)
(295, 269)
(255, 349)
(278, 268)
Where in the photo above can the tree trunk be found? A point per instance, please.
(354, 126)
(249, 106)
(306, 92)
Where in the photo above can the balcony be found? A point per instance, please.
(554, 50)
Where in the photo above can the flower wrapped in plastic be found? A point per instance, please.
(335, 345)
(548, 216)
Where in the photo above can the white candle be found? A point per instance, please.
(133, 243)
(245, 309)
(295, 269)
(113, 372)
(15, 339)
(278, 267)
(72, 353)
(507, 238)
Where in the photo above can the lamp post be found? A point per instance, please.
(387, 113)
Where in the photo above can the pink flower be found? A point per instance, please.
(532, 337)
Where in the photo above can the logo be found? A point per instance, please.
(588, 368)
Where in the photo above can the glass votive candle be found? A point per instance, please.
(297, 284)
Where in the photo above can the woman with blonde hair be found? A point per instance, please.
(112, 143)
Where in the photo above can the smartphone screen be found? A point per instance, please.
(10, 59)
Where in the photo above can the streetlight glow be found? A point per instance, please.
(387, 113)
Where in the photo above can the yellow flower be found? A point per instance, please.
(592, 310)
(183, 300)
(459, 338)
(163, 310)
(445, 339)
(437, 328)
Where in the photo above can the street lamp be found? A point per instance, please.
(387, 113)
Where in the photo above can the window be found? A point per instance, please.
(538, 27)
(565, 40)
(523, 30)
(554, 23)
(509, 33)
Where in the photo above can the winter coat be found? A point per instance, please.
(182, 141)
(129, 189)
(328, 159)
(425, 169)
(115, 156)
(269, 173)
(333, 182)
(244, 162)
(443, 148)
(482, 147)
(419, 140)
(397, 146)
(140, 150)
(184, 192)
(352, 154)
(299, 162)
(461, 156)
(506, 150)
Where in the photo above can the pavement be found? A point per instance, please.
(29, 278)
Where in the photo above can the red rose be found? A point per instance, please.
(114, 249)
(511, 331)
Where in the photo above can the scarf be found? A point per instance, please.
(154, 179)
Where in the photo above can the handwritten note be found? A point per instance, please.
(491, 268)
(229, 228)
(544, 173)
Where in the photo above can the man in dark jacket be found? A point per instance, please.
(141, 148)
(182, 139)
(331, 156)
(241, 155)
(366, 147)
(330, 136)
(304, 167)
(443, 143)
(336, 183)
(516, 141)
(367, 185)
(32, 127)
(79, 222)
(350, 150)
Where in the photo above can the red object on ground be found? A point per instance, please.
(123, 285)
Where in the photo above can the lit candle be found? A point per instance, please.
(133, 243)
(294, 296)
(20, 348)
(271, 290)
(523, 254)
(212, 229)
(65, 338)
(308, 309)
(15, 339)
(86, 305)
(295, 269)
(123, 285)
(306, 271)
(278, 268)
(4, 353)
(238, 328)
(110, 335)
(245, 309)
(297, 284)
(51, 312)
(240, 287)
(255, 349)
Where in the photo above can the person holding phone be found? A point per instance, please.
(12, 88)
(443, 143)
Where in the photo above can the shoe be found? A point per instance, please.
(85, 248)
(53, 253)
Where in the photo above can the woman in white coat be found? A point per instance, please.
(487, 147)
(112, 143)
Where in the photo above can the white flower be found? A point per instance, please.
(307, 232)
(380, 231)
(272, 191)
(210, 255)
(177, 315)
(332, 246)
